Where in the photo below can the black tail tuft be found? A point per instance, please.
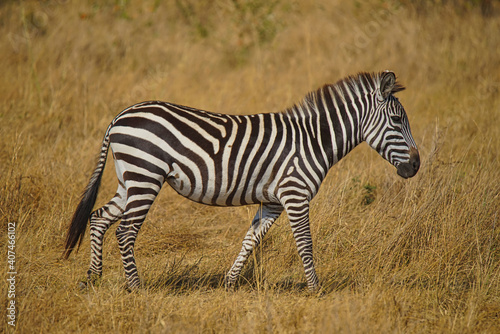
(78, 225)
(81, 217)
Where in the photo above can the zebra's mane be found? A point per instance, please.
(353, 85)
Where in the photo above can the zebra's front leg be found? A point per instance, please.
(264, 218)
(298, 214)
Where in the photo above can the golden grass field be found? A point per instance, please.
(393, 255)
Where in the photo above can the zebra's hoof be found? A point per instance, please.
(93, 278)
(82, 286)
(133, 287)
(315, 290)
(230, 285)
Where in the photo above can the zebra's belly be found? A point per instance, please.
(212, 193)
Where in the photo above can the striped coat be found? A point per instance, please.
(277, 160)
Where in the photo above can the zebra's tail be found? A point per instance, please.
(76, 230)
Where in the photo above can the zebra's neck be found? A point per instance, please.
(333, 117)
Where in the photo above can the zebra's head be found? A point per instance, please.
(388, 130)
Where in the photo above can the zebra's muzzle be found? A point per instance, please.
(410, 168)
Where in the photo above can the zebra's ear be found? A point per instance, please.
(387, 83)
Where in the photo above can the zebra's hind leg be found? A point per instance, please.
(138, 204)
(265, 217)
(100, 221)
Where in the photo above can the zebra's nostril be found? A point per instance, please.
(414, 159)
(416, 165)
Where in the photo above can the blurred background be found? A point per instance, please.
(393, 255)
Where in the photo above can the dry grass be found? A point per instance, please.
(393, 255)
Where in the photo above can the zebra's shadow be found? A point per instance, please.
(180, 284)
(183, 284)
(189, 279)
(180, 276)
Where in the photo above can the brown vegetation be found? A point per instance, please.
(393, 255)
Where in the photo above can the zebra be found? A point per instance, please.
(277, 160)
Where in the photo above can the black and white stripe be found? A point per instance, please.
(277, 160)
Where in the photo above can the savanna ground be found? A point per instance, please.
(393, 255)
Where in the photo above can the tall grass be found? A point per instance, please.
(393, 255)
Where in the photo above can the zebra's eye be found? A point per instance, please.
(396, 119)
